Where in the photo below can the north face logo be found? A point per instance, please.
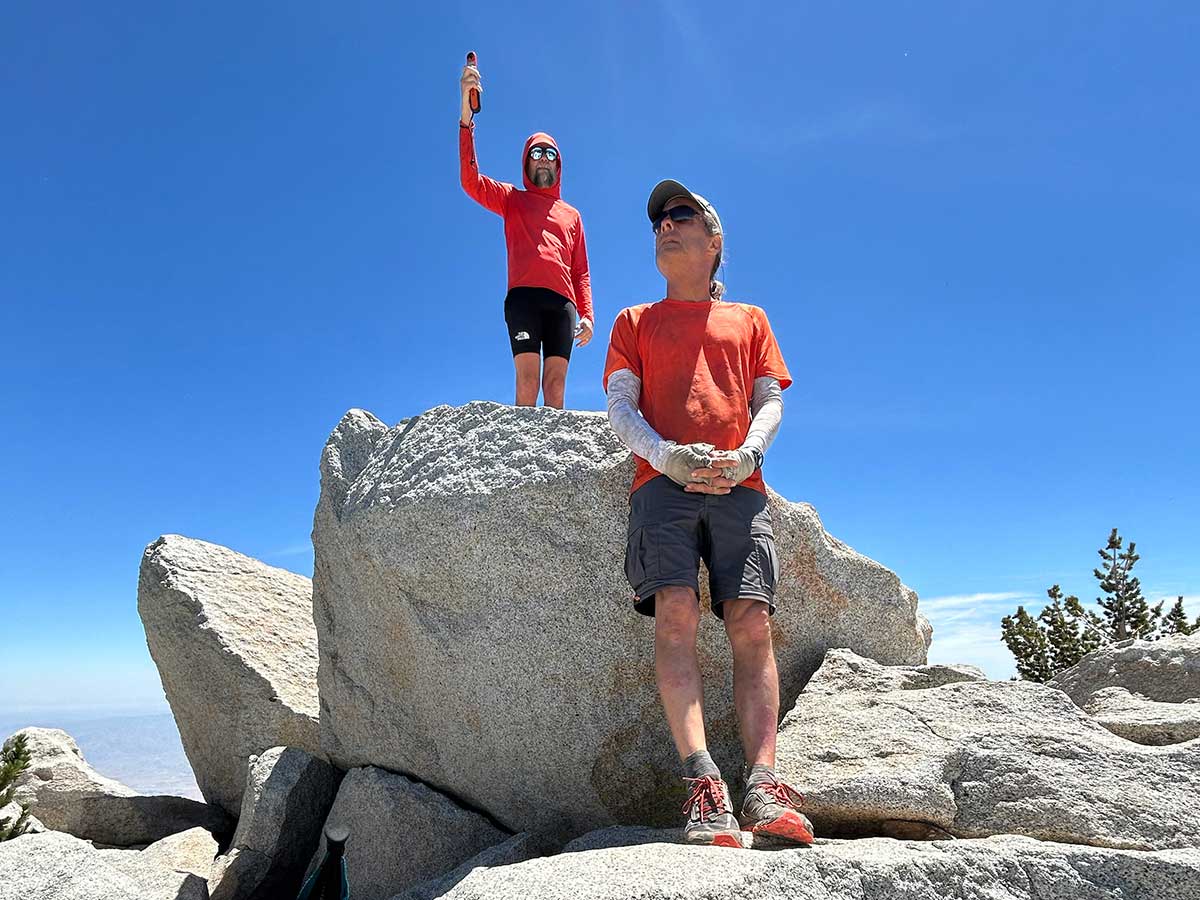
(521, 336)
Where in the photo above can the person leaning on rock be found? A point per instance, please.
(549, 283)
(694, 389)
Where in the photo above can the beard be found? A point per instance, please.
(543, 178)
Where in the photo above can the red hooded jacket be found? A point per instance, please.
(546, 248)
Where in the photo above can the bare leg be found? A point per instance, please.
(528, 367)
(677, 667)
(554, 381)
(755, 677)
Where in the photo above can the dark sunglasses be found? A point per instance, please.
(677, 214)
(538, 152)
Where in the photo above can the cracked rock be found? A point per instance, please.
(643, 864)
(1166, 670)
(402, 833)
(288, 795)
(1135, 718)
(980, 758)
(235, 646)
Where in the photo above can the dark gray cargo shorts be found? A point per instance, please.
(671, 530)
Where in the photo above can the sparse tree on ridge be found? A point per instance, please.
(1029, 644)
(1126, 612)
(1064, 632)
(1176, 622)
(14, 759)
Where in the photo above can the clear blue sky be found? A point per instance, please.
(975, 227)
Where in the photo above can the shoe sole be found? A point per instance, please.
(718, 839)
(790, 828)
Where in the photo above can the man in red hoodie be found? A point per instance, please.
(549, 299)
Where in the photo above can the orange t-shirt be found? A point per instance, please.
(697, 363)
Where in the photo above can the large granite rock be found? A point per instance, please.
(1166, 670)
(235, 647)
(601, 867)
(288, 795)
(401, 833)
(476, 629)
(979, 758)
(66, 794)
(57, 866)
(1135, 718)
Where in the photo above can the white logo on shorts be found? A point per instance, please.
(521, 336)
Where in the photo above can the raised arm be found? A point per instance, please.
(483, 190)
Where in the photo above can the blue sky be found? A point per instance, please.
(973, 225)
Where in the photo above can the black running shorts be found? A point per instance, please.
(671, 530)
(540, 321)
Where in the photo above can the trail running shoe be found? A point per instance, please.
(771, 812)
(710, 814)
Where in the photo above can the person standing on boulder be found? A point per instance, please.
(694, 388)
(549, 299)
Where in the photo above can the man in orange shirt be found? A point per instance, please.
(694, 389)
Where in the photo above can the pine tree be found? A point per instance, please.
(1066, 643)
(1175, 621)
(14, 759)
(1126, 612)
(1092, 634)
(1064, 632)
(1029, 645)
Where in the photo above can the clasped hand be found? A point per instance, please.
(702, 469)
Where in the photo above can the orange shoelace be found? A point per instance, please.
(706, 791)
(783, 794)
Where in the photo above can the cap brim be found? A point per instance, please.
(664, 192)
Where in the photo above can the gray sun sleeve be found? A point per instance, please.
(766, 411)
(624, 399)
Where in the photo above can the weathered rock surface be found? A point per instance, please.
(1166, 670)
(981, 758)
(640, 864)
(190, 852)
(236, 649)
(843, 670)
(66, 794)
(517, 848)
(1135, 718)
(288, 795)
(57, 866)
(402, 833)
(476, 629)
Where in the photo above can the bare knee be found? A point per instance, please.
(554, 382)
(676, 615)
(527, 366)
(748, 623)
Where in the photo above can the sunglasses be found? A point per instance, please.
(538, 152)
(677, 214)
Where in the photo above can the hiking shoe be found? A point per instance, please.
(771, 812)
(710, 814)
